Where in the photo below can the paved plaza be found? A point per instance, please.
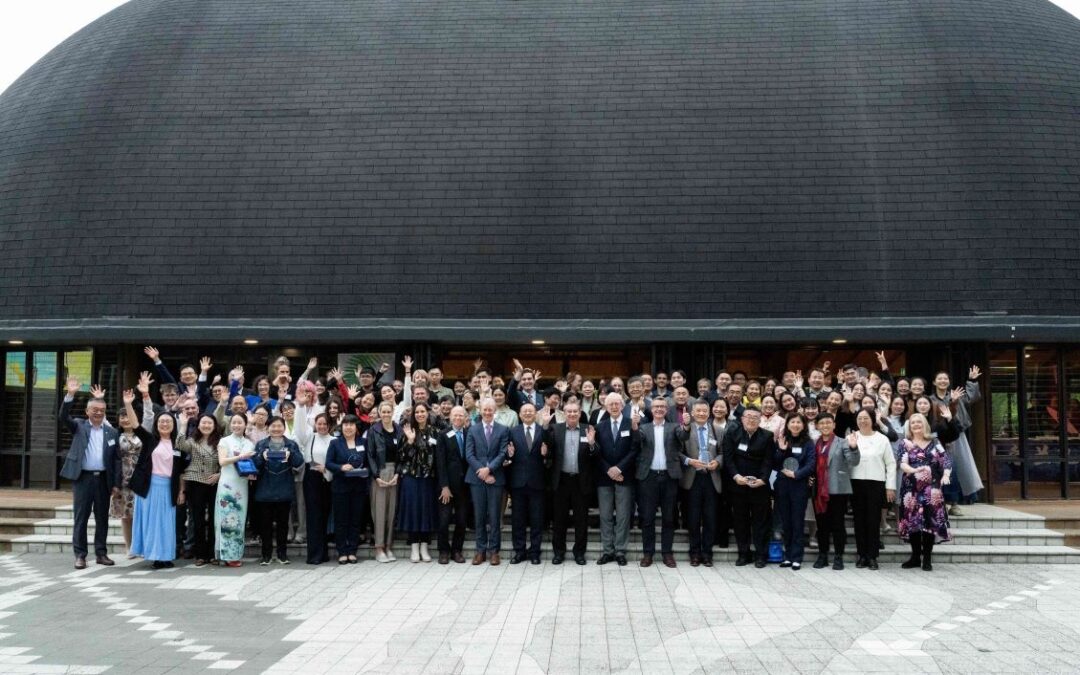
(427, 618)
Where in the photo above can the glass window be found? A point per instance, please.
(1042, 408)
(1006, 465)
(14, 404)
(1072, 419)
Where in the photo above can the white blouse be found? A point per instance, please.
(876, 459)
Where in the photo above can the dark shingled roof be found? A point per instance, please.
(552, 159)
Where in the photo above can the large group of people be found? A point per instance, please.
(212, 465)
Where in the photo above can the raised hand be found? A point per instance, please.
(635, 419)
(825, 367)
(96, 391)
(334, 374)
(881, 359)
(686, 419)
(478, 363)
(545, 417)
(181, 425)
(410, 433)
(956, 394)
(236, 374)
(518, 369)
(798, 379)
(383, 367)
(945, 412)
(536, 376)
(591, 435)
(205, 364)
(72, 386)
(407, 362)
(353, 391)
(217, 378)
(974, 372)
(313, 363)
(562, 386)
(129, 396)
(153, 353)
(144, 383)
(853, 439)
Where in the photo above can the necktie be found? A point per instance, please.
(703, 448)
(460, 443)
(614, 430)
(528, 438)
(487, 431)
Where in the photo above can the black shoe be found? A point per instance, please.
(620, 560)
(760, 564)
(838, 563)
(517, 559)
(786, 563)
(284, 560)
(265, 561)
(579, 559)
(796, 566)
(535, 560)
(605, 559)
(872, 564)
(168, 564)
(822, 562)
(723, 543)
(911, 563)
(557, 558)
(158, 564)
(742, 561)
(926, 564)
(861, 563)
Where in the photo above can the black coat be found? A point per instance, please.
(450, 463)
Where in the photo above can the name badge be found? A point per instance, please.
(431, 441)
(451, 434)
(112, 442)
(796, 451)
(712, 441)
(584, 441)
(624, 434)
(394, 441)
(175, 453)
(743, 447)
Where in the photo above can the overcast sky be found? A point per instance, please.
(30, 28)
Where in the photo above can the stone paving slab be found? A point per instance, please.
(428, 618)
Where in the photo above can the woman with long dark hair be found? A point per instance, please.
(231, 504)
(156, 484)
(133, 437)
(198, 484)
(795, 463)
(417, 514)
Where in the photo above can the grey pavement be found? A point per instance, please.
(428, 618)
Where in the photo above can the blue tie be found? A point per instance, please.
(703, 449)
(460, 443)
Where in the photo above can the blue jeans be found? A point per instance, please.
(487, 505)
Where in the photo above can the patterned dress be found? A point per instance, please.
(230, 508)
(123, 505)
(922, 503)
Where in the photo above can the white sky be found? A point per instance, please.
(30, 28)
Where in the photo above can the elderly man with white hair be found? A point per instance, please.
(617, 445)
(485, 451)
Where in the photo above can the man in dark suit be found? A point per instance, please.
(571, 447)
(701, 479)
(657, 472)
(529, 453)
(451, 468)
(522, 388)
(485, 451)
(93, 466)
(616, 459)
(748, 455)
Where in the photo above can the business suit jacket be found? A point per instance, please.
(80, 441)
(672, 450)
(529, 466)
(841, 459)
(451, 466)
(804, 453)
(479, 453)
(337, 455)
(621, 451)
(691, 448)
(555, 437)
(515, 397)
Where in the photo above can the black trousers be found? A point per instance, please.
(866, 501)
(91, 495)
(701, 499)
(657, 491)
(528, 512)
(457, 513)
(750, 508)
(569, 496)
(724, 516)
(832, 524)
(317, 513)
(350, 497)
(274, 521)
(200, 501)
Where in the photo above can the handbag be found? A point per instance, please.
(246, 467)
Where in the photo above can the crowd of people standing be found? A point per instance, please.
(213, 464)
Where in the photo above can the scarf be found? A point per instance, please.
(821, 493)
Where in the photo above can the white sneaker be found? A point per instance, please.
(424, 555)
(381, 557)
(390, 557)
(415, 555)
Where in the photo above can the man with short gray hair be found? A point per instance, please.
(485, 451)
(617, 450)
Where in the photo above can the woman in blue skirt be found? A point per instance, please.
(417, 513)
(156, 484)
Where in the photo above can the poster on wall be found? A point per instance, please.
(350, 363)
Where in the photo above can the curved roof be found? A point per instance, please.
(763, 162)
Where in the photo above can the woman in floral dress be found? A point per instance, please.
(923, 519)
(230, 507)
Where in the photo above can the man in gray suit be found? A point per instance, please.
(92, 466)
(485, 451)
(658, 471)
(701, 478)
